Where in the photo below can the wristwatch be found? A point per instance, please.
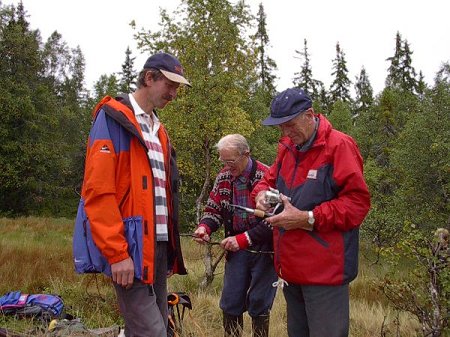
(311, 219)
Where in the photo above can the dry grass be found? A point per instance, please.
(36, 257)
(368, 320)
(370, 315)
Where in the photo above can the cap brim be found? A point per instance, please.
(175, 77)
(269, 121)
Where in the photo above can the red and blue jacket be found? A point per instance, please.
(116, 213)
(328, 180)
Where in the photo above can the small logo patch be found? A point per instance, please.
(105, 149)
(312, 174)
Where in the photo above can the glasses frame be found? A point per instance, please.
(232, 162)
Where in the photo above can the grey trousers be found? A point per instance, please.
(144, 307)
(317, 311)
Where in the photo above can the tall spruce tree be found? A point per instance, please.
(340, 87)
(409, 81)
(127, 81)
(304, 78)
(266, 65)
(262, 139)
(401, 73)
(394, 76)
(323, 103)
(364, 93)
(421, 85)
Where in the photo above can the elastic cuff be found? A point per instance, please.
(248, 238)
(243, 240)
(118, 258)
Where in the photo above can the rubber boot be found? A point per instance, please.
(232, 325)
(260, 326)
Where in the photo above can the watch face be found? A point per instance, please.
(311, 221)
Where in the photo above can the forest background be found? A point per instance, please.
(403, 131)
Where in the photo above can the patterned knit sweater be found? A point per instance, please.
(218, 210)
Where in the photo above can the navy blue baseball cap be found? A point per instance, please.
(288, 105)
(169, 66)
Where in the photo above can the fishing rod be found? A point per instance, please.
(218, 243)
(272, 198)
(195, 236)
(256, 212)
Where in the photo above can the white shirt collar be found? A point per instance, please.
(138, 110)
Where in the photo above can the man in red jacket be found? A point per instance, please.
(316, 235)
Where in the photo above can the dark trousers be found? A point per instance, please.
(317, 311)
(144, 307)
(247, 284)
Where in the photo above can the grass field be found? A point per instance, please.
(36, 257)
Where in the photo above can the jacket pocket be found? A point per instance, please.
(133, 234)
(86, 256)
(89, 259)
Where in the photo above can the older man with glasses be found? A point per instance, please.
(249, 271)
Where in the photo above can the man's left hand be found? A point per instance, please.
(290, 218)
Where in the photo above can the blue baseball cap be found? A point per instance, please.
(169, 66)
(288, 105)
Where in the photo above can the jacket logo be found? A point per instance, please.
(105, 149)
(312, 174)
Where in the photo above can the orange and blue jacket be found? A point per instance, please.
(327, 179)
(116, 213)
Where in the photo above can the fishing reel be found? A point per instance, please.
(273, 198)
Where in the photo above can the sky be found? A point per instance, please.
(365, 31)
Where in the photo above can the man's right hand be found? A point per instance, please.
(123, 272)
(201, 235)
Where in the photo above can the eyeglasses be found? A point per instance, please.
(231, 162)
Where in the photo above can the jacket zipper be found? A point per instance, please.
(124, 198)
(297, 161)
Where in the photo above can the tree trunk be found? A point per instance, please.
(206, 183)
(208, 260)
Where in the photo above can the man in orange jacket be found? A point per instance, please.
(127, 222)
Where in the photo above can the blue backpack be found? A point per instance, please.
(37, 305)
